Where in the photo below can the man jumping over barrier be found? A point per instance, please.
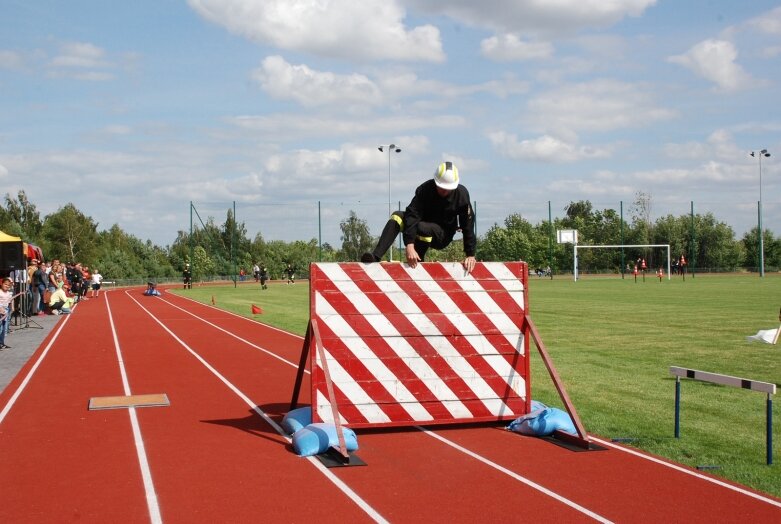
(440, 208)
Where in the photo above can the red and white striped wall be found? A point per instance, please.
(428, 345)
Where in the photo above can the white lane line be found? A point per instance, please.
(143, 462)
(370, 511)
(627, 450)
(244, 340)
(232, 314)
(519, 478)
(438, 437)
(29, 376)
(606, 443)
(689, 472)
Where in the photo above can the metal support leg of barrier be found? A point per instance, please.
(677, 407)
(301, 367)
(769, 430)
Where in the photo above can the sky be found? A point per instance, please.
(133, 110)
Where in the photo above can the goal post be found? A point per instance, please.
(614, 246)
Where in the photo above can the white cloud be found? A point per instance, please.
(287, 126)
(768, 23)
(510, 47)
(715, 60)
(686, 151)
(79, 54)
(536, 16)
(715, 163)
(466, 166)
(771, 51)
(311, 88)
(402, 84)
(605, 47)
(304, 128)
(82, 61)
(545, 148)
(323, 173)
(369, 29)
(9, 59)
(719, 145)
(722, 146)
(708, 172)
(597, 187)
(117, 129)
(601, 105)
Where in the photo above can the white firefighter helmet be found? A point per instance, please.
(446, 176)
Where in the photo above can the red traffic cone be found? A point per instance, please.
(256, 310)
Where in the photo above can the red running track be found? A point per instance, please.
(216, 454)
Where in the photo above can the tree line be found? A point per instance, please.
(222, 249)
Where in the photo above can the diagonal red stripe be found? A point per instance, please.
(362, 376)
(497, 384)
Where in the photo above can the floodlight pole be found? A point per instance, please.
(759, 214)
(191, 261)
(623, 259)
(550, 240)
(391, 148)
(233, 248)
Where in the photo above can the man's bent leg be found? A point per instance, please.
(431, 234)
(388, 236)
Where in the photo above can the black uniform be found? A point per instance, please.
(75, 279)
(263, 274)
(431, 221)
(187, 278)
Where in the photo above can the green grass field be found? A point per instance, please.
(613, 342)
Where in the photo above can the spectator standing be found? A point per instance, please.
(86, 279)
(32, 269)
(55, 276)
(6, 306)
(40, 279)
(74, 278)
(96, 279)
(19, 285)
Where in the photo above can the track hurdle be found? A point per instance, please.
(726, 380)
(391, 345)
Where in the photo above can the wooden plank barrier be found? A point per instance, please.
(389, 345)
(425, 345)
